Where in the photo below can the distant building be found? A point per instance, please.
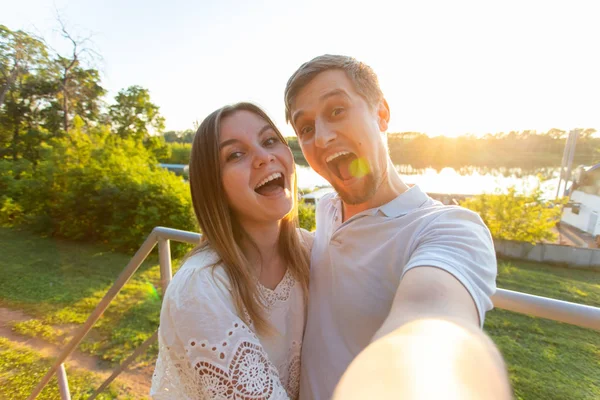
(314, 197)
(583, 207)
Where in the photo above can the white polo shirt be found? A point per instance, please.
(356, 268)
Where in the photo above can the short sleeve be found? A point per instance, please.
(205, 350)
(458, 242)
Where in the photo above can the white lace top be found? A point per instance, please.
(206, 351)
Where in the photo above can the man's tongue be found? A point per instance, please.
(344, 167)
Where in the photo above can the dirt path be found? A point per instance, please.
(136, 382)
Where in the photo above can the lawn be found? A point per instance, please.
(547, 359)
(59, 283)
(21, 369)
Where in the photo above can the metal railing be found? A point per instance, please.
(557, 310)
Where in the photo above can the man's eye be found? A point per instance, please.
(306, 130)
(234, 156)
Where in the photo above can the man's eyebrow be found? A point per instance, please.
(331, 93)
(232, 141)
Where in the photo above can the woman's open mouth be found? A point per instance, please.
(272, 185)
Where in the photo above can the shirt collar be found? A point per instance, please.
(411, 199)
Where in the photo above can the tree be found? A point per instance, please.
(134, 115)
(522, 217)
(79, 88)
(25, 92)
(20, 53)
(78, 93)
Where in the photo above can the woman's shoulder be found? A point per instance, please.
(201, 274)
(306, 237)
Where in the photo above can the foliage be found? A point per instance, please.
(513, 216)
(179, 153)
(186, 136)
(528, 150)
(97, 187)
(134, 115)
(306, 216)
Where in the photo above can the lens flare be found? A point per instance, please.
(359, 167)
(151, 291)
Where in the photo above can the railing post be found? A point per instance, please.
(164, 258)
(63, 383)
(132, 266)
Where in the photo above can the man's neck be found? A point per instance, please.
(390, 187)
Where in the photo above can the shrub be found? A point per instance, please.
(97, 187)
(179, 153)
(306, 216)
(512, 216)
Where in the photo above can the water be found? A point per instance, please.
(466, 180)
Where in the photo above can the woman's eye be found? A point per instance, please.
(271, 141)
(337, 111)
(234, 156)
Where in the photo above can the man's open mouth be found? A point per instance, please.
(340, 164)
(271, 185)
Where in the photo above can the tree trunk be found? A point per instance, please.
(11, 79)
(15, 141)
(65, 106)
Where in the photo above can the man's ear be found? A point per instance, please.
(383, 114)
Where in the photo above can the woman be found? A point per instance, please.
(232, 318)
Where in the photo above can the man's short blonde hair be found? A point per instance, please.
(362, 76)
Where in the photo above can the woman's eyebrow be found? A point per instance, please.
(264, 129)
(227, 143)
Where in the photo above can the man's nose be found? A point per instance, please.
(324, 134)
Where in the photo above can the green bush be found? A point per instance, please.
(179, 153)
(96, 187)
(512, 216)
(306, 216)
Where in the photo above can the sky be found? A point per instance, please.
(445, 67)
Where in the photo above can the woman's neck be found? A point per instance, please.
(263, 251)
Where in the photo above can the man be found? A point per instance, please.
(385, 255)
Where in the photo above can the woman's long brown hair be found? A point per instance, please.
(221, 231)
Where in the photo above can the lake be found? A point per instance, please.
(468, 180)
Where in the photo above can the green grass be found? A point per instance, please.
(547, 359)
(59, 283)
(21, 370)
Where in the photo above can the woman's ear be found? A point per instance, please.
(383, 113)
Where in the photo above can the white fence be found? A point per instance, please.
(569, 256)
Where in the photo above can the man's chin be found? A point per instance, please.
(358, 193)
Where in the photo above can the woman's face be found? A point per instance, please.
(257, 169)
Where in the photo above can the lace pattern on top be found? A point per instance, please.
(280, 293)
(236, 368)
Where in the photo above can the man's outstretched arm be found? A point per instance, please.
(428, 359)
(429, 347)
(429, 292)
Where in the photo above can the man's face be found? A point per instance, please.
(341, 135)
